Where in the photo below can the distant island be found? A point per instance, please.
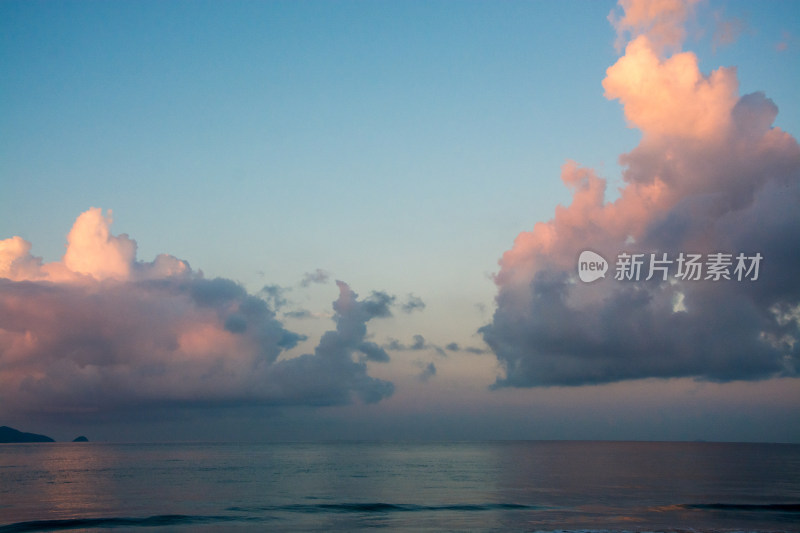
(8, 434)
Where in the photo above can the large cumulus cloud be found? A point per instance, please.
(711, 174)
(100, 330)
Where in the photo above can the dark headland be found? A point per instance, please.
(8, 434)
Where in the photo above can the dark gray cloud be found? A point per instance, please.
(331, 375)
(412, 303)
(474, 350)
(394, 345)
(298, 314)
(455, 347)
(428, 371)
(418, 343)
(275, 296)
(318, 276)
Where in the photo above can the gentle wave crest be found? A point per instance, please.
(112, 522)
(256, 514)
(379, 507)
(775, 507)
(184, 520)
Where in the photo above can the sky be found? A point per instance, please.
(363, 220)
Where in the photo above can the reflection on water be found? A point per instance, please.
(72, 480)
(63, 480)
(440, 486)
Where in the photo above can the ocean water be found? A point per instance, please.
(353, 486)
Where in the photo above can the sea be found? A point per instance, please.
(541, 486)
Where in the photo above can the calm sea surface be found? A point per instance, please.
(493, 486)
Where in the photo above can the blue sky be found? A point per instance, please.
(302, 130)
(398, 146)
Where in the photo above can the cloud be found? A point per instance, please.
(428, 371)
(100, 331)
(299, 314)
(418, 344)
(710, 174)
(455, 347)
(336, 372)
(661, 20)
(318, 276)
(275, 296)
(671, 97)
(412, 303)
(94, 251)
(786, 41)
(474, 350)
(727, 30)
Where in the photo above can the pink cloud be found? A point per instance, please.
(711, 173)
(94, 251)
(671, 97)
(93, 254)
(662, 21)
(101, 331)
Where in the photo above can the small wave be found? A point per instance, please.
(111, 522)
(183, 520)
(774, 507)
(380, 507)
